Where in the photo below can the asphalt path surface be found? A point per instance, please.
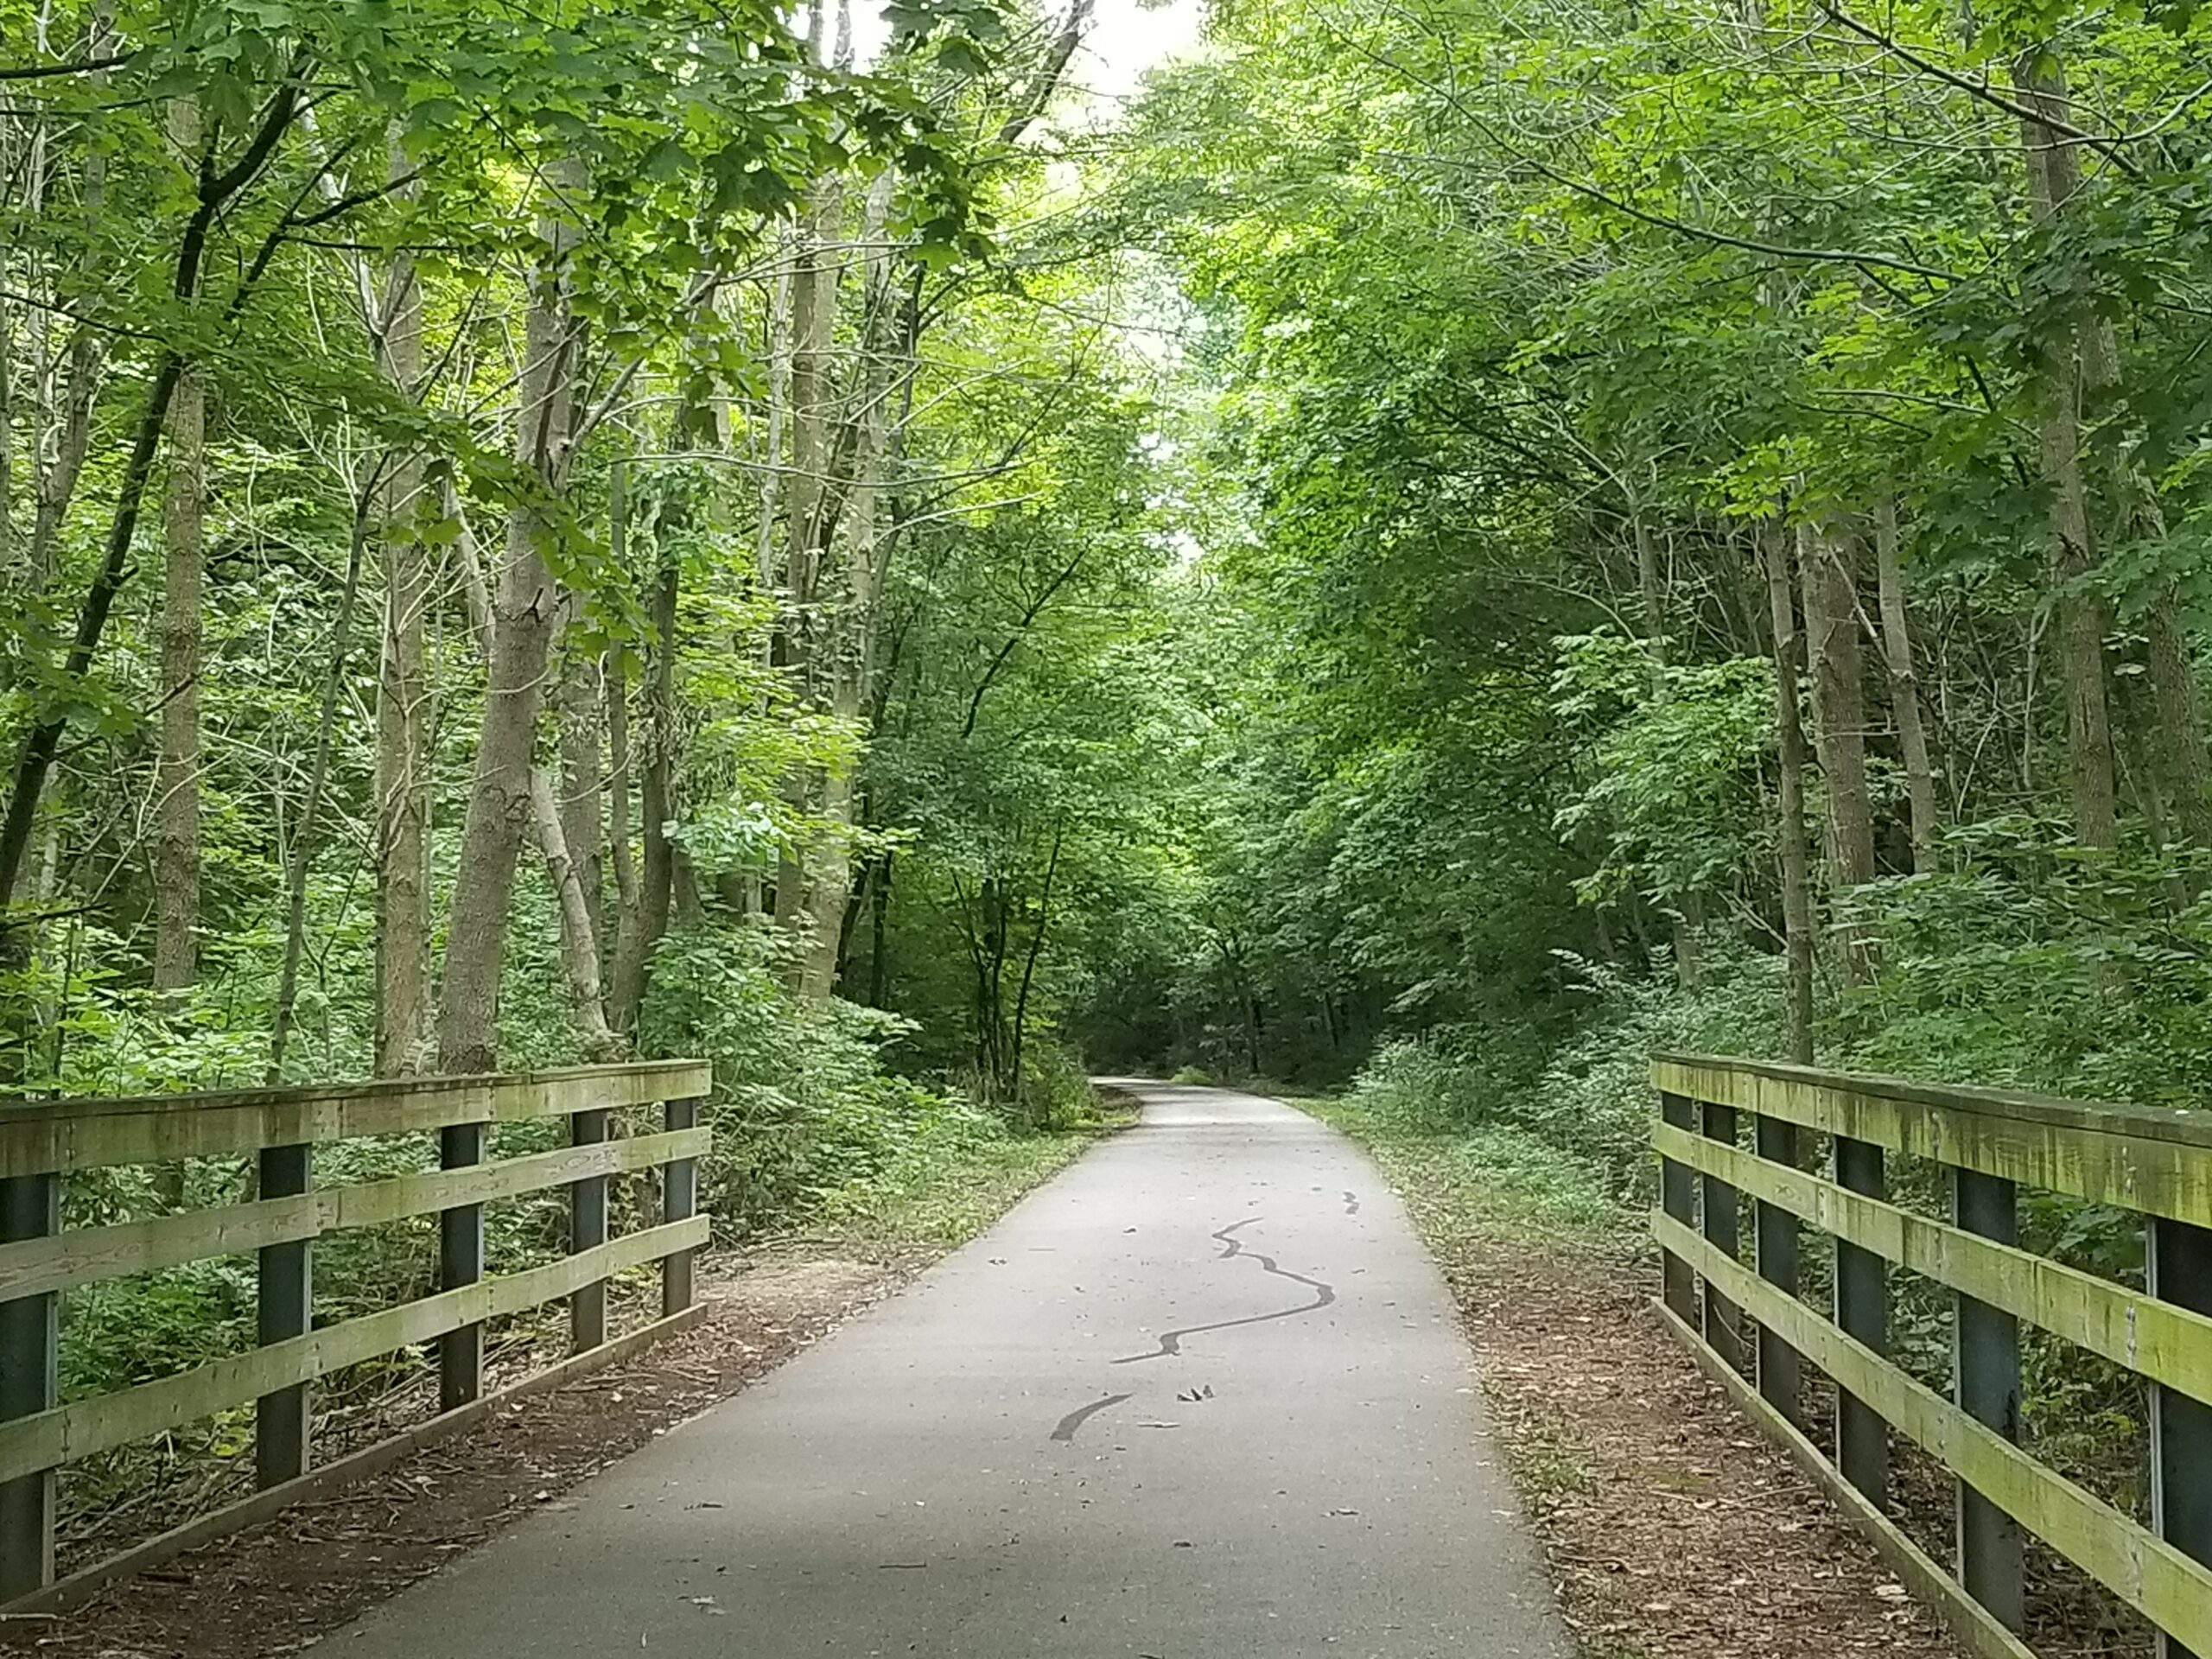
(1203, 1396)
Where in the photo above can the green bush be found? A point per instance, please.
(1193, 1074)
(1424, 1082)
(805, 1110)
(1591, 1095)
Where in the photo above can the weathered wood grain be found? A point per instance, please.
(65, 1432)
(2156, 1162)
(2150, 1575)
(2169, 1343)
(85, 1256)
(36, 1137)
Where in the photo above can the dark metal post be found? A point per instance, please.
(281, 1426)
(1862, 1310)
(1724, 1329)
(588, 1227)
(679, 1201)
(30, 1350)
(460, 1262)
(1987, 1369)
(1775, 1239)
(1678, 1197)
(2180, 1271)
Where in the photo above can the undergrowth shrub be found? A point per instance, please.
(1424, 1082)
(1591, 1095)
(804, 1108)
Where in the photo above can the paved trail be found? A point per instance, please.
(1203, 1397)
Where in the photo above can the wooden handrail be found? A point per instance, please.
(2094, 1116)
(2155, 1163)
(40, 1136)
(43, 1143)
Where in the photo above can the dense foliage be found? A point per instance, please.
(1467, 540)
(1580, 376)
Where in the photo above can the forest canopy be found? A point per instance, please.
(1531, 531)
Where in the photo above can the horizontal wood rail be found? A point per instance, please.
(2157, 1165)
(43, 1145)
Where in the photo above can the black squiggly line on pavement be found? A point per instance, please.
(1171, 1342)
(1082, 1414)
(1351, 1203)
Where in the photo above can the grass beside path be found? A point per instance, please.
(273, 1590)
(1671, 1527)
(921, 1207)
(1493, 1183)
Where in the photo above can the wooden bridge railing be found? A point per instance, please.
(2155, 1165)
(41, 1260)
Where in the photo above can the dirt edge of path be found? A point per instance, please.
(279, 1587)
(1674, 1529)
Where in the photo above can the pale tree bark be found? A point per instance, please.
(2180, 719)
(758, 896)
(2054, 175)
(1651, 587)
(656, 880)
(583, 782)
(1790, 826)
(624, 944)
(1838, 701)
(619, 943)
(770, 453)
(1904, 689)
(579, 936)
(2136, 515)
(176, 835)
(177, 777)
(525, 612)
(7, 572)
(818, 268)
(853, 646)
(2130, 498)
(403, 808)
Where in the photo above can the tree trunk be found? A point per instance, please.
(818, 269)
(404, 746)
(655, 884)
(1789, 828)
(2054, 175)
(1839, 700)
(853, 648)
(878, 957)
(1905, 688)
(304, 844)
(1036, 949)
(620, 763)
(525, 610)
(1651, 585)
(177, 848)
(579, 937)
(2181, 722)
(583, 827)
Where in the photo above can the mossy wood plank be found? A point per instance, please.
(370, 1459)
(66, 1432)
(2148, 1574)
(2162, 1341)
(88, 1134)
(2105, 1159)
(1982, 1635)
(2104, 1117)
(66, 1260)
